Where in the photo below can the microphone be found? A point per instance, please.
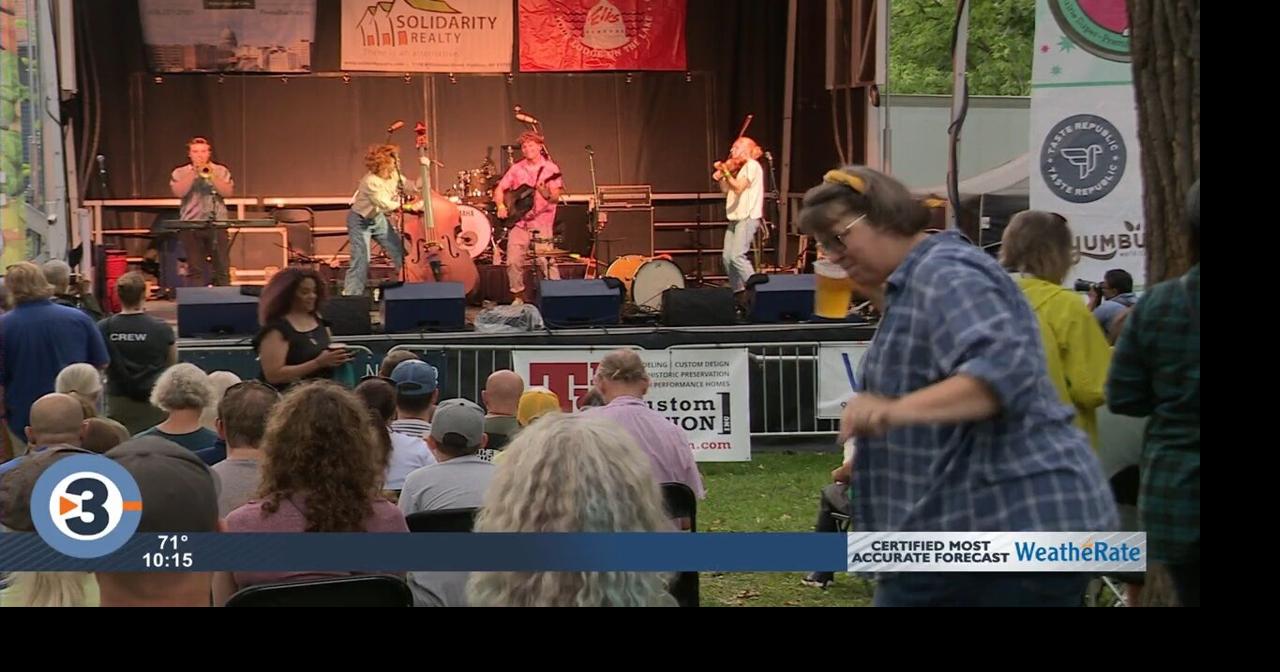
(769, 156)
(397, 125)
(589, 150)
(102, 175)
(522, 117)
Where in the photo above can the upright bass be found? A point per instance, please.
(433, 253)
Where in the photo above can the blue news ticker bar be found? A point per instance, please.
(648, 552)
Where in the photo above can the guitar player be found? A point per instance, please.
(531, 186)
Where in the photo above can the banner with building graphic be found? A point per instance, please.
(1084, 133)
(427, 35)
(602, 35)
(228, 35)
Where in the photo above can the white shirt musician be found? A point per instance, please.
(744, 207)
(377, 195)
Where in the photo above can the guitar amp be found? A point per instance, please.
(624, 196)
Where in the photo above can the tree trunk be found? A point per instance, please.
(1165, 45)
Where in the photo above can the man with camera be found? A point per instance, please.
(72, 290)
(1111, 297)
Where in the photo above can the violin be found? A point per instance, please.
(732, 164)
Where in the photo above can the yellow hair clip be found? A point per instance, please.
(840, 177)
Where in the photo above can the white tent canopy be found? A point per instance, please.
(1011, 178)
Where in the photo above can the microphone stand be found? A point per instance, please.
(221, 254)
(397, 223)
(593, 213)
(777, 202)
(698, 279)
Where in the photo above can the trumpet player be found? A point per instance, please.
(202, 185)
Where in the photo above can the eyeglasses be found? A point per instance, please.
(836, 243)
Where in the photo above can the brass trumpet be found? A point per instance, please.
(205, 171)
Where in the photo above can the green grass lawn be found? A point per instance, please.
(777, 492)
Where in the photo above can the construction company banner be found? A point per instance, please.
(1084, 133)
(702, 391)
(427, 35)
(228, 35)
(575, 35)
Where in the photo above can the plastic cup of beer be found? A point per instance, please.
(834, 290)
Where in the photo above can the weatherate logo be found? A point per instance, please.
(1083, 158)
(86, 506)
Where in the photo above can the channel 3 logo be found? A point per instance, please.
(86, 506)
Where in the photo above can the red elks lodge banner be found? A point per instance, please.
(566, 35)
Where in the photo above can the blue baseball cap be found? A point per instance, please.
(414, 378)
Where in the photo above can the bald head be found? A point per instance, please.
(55, 418)
(502, 392)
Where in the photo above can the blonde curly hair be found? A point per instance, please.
(572, 473)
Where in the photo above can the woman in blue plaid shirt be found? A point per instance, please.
(958, 426)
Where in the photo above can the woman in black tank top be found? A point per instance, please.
(293, 344)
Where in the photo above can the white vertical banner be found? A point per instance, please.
(702, 391)
(428, 35)
(1084, 133)
(838, 376)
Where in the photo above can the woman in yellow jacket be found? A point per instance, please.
(1037, 247)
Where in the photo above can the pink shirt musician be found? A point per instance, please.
(540, 172)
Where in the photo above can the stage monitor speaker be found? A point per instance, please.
(216, 311)
(349, 315)
(421, 306)
(781, 297)
(566, 303)
(625, 232)
(698, 306)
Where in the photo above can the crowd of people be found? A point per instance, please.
(976, 411)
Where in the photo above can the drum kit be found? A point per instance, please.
(472, 192)
(644, 279)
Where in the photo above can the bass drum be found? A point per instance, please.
(624, 268)
(653, 278)
(475, 233)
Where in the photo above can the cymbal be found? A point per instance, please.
(552, 252)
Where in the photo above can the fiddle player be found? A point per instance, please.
(742, 180)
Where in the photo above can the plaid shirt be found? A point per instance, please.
(952, 310)
(1156, 372)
